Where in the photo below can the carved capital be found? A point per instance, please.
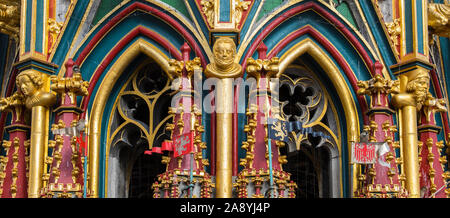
(268, 66)
(73, 86)
(14, 104)
(378, 85)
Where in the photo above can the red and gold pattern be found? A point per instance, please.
(187, 119)
(256, 170)
(378, 180)
(65, 176)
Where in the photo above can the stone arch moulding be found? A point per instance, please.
(364, 55)
(321, 48)
(102, 95)
(349, 105)
(114, 18)
(140, 39)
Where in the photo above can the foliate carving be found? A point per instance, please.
(438, 19)
(432, 105)
(208, 10)
(175, 68)
(192, 66)
(270, 67)
(10, 17)
(13, 103)
(239, 8)
(54, 28)
(73, 86)
(378, 85)
(394, 30)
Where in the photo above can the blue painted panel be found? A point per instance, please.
(115, 35)
(225, 11)
(39, 26)
(409, 27)
(29, 12)
(420, 32)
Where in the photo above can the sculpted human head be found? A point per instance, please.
(29, 82)
(418, 85)
(224, 51)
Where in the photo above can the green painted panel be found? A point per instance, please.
(268, 6)
(342, 8)
(179, 5)
(345, 11)
(108, 5)
(104, 8)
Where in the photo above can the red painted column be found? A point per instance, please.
(256, 170)
(65, 176)
(14, 164)
(187, 118)
(432, 177)
(382, 178)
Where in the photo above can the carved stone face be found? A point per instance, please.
(419, 87)
(26, 85)
(224, 52)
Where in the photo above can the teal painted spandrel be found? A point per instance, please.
(269, 6)
(104, 8)
(108, 5)
(345, 11)
(179, 5)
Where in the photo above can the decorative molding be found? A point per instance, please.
(394, 30)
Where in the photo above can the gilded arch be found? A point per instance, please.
(339, 83)
(140, 46)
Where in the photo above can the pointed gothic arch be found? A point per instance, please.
(350, 117)
(98, 148)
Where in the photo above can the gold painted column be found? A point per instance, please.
(413, 89)
(37, 144)
(412, 72)
(224, 107)
(224, 68)
(34, 86)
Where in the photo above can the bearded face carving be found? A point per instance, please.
(418, 86)
(224, 65)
